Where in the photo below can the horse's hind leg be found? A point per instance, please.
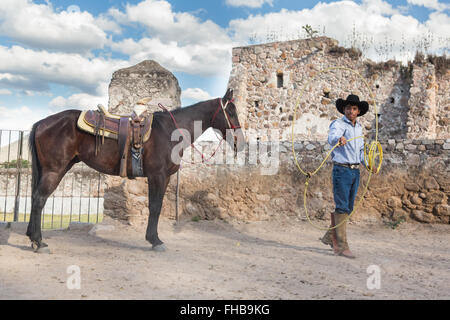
(48, 182)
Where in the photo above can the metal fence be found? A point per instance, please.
(79, 196)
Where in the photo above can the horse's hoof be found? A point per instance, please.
(45, 250)
(159, 248)
(40, 248)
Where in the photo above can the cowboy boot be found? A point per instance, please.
(330, 236)
(341, 235)
(327, 239)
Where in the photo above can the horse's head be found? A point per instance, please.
(226, 118)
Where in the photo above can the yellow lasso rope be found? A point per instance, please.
(370, 152)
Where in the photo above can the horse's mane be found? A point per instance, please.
(160, 116)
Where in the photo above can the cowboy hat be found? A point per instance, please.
(354, 101)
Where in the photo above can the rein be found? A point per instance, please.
(231, 126)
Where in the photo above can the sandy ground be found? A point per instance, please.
(230, 260)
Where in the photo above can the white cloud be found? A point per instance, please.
(379, 7)
(79, 101)
(35, 70)
(196, 94)
(5, 92)
(201, 59)
(161, 22)
(178, 40)
(39, 26)
(248, 3)
(21, 118)
(430, 4)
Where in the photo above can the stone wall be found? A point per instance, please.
(414, 185)
(272, 80)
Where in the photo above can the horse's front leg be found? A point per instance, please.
(157, 185)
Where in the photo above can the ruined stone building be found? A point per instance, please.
(272, 80)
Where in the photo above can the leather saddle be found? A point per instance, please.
(129, 130)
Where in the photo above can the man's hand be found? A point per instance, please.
(342, 141)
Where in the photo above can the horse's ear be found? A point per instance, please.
(229, 95)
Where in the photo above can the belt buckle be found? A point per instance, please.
(353, 166)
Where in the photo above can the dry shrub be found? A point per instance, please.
(374, 68)
(353, 53)
(441, 64)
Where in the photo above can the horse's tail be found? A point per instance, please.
(35, 165)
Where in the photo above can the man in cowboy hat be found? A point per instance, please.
(346, 159)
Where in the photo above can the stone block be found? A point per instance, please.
(415, 199)
(394, 202)
(441, 210)
(19, 227)
(435, 197)
(431, 184)
(422, 216)
(80, 226)
(411, 186)
(413, 160)
(4, 232)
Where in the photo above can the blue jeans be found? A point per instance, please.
(345, 187)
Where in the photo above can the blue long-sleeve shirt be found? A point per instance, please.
(353, 151)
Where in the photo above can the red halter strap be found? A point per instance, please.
(221, 106)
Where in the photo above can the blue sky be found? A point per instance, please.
(60, 54)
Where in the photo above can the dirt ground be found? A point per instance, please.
(280, 259)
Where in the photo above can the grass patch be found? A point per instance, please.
(57, 221)
(196, 219)
(394, 224)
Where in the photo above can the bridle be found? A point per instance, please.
(221, 106)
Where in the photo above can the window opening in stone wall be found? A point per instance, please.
(280, 83)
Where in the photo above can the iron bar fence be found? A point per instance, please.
(79, 196)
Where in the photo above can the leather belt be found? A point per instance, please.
(348, 165)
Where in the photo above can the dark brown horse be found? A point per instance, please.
(56, 144)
